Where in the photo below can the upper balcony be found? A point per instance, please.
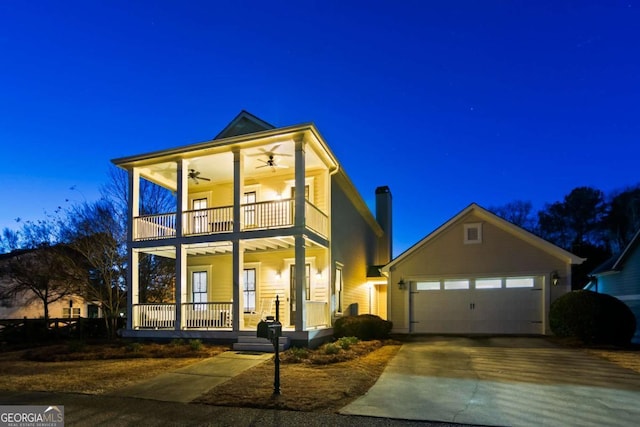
(254, 216)
(275, 179)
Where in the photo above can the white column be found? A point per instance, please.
(133, 277)
(133, 296)
(181, 284)
(238, 263)
(182, 191)
(300, 250)
(238, 251)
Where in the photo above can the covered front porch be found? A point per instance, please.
(203, 297)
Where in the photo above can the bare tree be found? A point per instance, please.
(518, 212)
(93, 230)
(43, 269)
(623, 217)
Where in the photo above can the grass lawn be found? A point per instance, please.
(322, 380)
(337, 376)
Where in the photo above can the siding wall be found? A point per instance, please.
(500, 254)
(354, 246)
(625, 285)
(22, 307)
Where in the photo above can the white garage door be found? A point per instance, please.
(510, 305)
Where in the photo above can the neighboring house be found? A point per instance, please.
(24, 305)
(477, 273)
(620, 277)
(260, 212)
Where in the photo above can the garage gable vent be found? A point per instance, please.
(473, 233)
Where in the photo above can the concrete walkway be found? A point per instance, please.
(502, 381)
(185, 384)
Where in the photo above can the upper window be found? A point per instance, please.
(473, 233)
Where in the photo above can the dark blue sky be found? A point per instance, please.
(447, 102)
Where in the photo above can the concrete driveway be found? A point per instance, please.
(502, 381)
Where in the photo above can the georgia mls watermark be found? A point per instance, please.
(31, 416)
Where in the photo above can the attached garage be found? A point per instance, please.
(511, 305)
(477, 274)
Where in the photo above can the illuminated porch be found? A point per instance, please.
(256, 216)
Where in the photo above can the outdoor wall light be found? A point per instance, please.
(319, 275)
(555, 278)
(401, 284)
(278, 275)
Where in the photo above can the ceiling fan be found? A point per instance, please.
(271, 158)
(271, 162)
(195, 176)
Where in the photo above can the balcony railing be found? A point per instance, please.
(316, 220)
(255, 216)
(263, 215)
(206, 221)
(160, 226)
(207, 315)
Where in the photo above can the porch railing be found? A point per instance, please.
(154, 316)
(260, 215)
(317, 313)
(210, 220)
(207, 315)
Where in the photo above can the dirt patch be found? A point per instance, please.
(305, 386)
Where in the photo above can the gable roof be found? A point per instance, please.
(616, 263)
(244, 123)
(501, 223)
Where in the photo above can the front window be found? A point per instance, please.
(249, 290)
(339, 291)
(199, 287)
(70, 312)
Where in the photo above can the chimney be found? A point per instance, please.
(383, 216)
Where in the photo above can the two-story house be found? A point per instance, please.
(261, 212)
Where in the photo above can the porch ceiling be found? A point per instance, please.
(215, 248)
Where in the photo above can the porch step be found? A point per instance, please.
(263, 345)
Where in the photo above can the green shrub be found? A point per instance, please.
(299, 353)
(76, 346)
(177, 342)
(195, 345)
(134, 347)
(346, 342)
(331, 348)
(593, 318)
(364, 326)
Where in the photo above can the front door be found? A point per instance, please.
(292, 289)
(200, 216)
